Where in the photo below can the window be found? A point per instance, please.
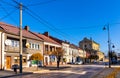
(46, 47)
(34, 46)
(15, 43)
(30, 45)
(12, 43)
(24, 59)
(17, 59)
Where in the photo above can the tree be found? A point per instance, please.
(36, 56)
(113, 56)
(94, 57)
(58, 53)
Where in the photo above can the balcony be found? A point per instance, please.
(16, 49)
(11, 49)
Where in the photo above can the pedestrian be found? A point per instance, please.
(15, 67)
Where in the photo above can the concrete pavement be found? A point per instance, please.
(31, 70)
(106, 71)
(102, 73)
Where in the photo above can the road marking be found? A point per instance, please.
(70, 72)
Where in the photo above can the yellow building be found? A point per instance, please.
(101, 56)
(91, 47)
(89, 44)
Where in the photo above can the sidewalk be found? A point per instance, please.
(10, 73)
(46, 68)
(103, 73)
(31, 70)
(106, 71)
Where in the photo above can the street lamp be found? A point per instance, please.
(106, 27)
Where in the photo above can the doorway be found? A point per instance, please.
(8, 62)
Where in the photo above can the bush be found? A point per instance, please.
(36, 56)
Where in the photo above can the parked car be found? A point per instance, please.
(114, 61)
(79, 62)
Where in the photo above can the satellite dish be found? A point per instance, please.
(8, 42)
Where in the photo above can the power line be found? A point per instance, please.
(41, 3)
(46, 23)
(41, 20)
(37, 18)
(29, 13)
(8, 14)
(9, 4)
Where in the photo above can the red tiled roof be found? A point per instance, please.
(47, 39)
(58, 40)
(15, 30)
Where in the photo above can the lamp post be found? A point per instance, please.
(106, 27)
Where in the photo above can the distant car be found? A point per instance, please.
(118, 62)
(106, 63)
(79, 62)
(114, 61)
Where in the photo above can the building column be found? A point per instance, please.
(2, 57)
(0, 51)
(28, 62)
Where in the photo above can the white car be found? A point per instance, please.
(78, 62)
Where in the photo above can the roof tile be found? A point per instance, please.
(47, 39)
(15, 30)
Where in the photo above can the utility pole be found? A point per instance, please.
(20, 47)
(109, 44)
(83, 47)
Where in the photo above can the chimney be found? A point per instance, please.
(26, 28)
(46, 34)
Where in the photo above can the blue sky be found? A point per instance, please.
(70, 20)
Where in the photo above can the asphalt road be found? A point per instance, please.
(76, 71)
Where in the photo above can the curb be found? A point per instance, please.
(16, 75)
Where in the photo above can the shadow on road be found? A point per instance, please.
(7, 74)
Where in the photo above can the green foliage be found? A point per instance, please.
(94, 57)
(58, 52)
(36, 56)
(64, 59)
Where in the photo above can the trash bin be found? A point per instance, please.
(15, 67)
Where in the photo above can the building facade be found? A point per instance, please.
(49, 46)
(91, 47)
(10, 45)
